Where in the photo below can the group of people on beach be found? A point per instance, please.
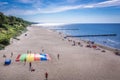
(30, 63)
(74, 42)
(4, 56)
(31, 69)
(89, 44)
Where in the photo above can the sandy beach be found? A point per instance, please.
(75, 62)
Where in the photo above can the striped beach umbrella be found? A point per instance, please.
(32, 57)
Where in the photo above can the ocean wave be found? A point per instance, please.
(112, 41)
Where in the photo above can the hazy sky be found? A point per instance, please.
(64, 11)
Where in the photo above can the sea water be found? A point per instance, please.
(93, 29)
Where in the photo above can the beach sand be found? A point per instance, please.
(75, 62)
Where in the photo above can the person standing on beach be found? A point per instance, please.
(30, 52)
(24, 61)
(73, 43)
(79, 43)
(58, 56)
(46, 76)
(42, 50)
(27, 51)
(30, 66)
(11, 54)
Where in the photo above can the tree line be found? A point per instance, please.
(10, 27)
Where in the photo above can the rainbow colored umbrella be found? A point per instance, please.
(32, 57)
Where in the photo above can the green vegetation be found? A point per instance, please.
(10, 27)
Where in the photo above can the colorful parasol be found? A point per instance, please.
(32, 57)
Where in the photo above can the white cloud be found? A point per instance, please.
(65, 8)
(61, 8)
(3, 3)
(97, 5)
(20, 12)
(108, 3)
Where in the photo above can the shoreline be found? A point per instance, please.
(108, 47)
(97, 44)
(112, 43)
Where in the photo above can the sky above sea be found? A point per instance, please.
(63, 11)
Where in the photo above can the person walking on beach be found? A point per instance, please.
(79, 43)
(24, 61)
(73, 43)
(11, 54)
(46, 76)
(27, 51)
(58, 56)
(42, 50)
(30, 66)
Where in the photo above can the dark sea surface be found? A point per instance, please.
(93, 29)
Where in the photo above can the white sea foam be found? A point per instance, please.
(112, 41)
